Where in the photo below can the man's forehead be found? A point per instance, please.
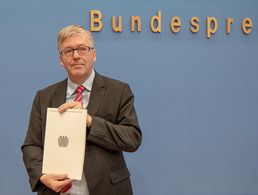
(77, 39)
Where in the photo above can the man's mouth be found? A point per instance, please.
(78, 64)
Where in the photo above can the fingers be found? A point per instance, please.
(89, 120)
(67, 182)
(70, 105)
(64, 185)
(58, 176)
(56, 181)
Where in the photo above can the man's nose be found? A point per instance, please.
(76, 54)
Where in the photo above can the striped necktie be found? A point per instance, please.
(78, 98)
(79, 91)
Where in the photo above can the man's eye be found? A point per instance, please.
(68, 51)
(83, 49)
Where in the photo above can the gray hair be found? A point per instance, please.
(72, 30)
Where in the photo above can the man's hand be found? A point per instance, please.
(55, 181)
(75, 105)
(70, 105)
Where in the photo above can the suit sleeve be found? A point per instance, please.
(32, 147)
(125, 133)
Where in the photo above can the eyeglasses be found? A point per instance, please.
(82, 50)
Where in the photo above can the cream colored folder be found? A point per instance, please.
(65, 142)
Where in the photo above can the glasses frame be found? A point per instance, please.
(73, 49)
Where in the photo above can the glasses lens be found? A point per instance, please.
(83, 50)
(68, 52)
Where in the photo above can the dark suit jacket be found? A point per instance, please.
(114, 129)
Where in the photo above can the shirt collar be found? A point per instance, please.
(71, 86)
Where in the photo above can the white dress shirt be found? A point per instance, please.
(79, 187)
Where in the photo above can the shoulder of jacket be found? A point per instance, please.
(112, 81)
(52, 87)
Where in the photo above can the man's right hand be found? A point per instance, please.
(55, 181)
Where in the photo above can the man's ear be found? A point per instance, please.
(61, 61)
(95, 56)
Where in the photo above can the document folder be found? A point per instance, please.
(65, 142)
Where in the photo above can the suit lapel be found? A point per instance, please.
(97, 93)
(59, 97)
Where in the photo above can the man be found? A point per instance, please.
(112, 125)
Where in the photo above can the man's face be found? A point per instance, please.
(78, 67)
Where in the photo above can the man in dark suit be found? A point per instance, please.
(112, 125)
